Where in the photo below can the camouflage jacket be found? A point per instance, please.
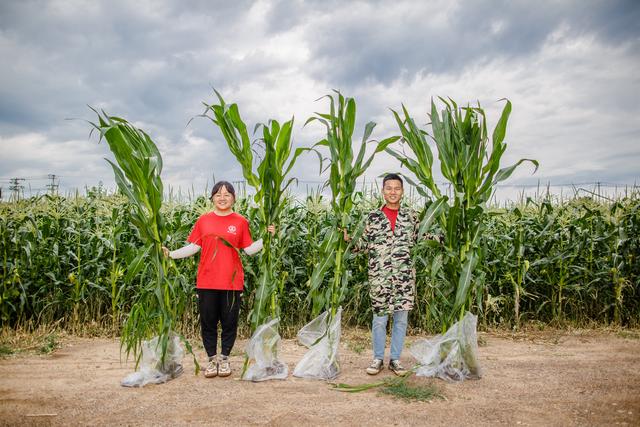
(392, 276)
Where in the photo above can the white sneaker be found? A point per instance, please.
(375, 367)
(224, 367)
(212, 368)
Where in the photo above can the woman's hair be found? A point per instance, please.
(226, 185)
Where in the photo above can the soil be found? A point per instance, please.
(547, 378)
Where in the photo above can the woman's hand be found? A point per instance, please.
(272, 229)
(345, 235)
(165, 252)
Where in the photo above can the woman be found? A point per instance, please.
(220, 281)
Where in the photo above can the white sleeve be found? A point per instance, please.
(185, 251)
(253, 248)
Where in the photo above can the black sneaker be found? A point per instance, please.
(397, 368)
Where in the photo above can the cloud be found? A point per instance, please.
(568, 67)
(76, 163)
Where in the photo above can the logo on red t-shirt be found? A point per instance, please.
(231, 229)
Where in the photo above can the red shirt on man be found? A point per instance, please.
(392, 216)
(220, 237)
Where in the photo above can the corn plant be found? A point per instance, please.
(270, 181)
(137, 174)
(507, 260)
(473, 169)
(344, 170)
(584, 265)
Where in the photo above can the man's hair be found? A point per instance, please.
(226, 185)
(392, 177)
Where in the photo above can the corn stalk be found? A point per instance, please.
(137, 174)
(344, 170)
(473, 169)
(270, 181)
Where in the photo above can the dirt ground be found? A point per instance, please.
(548, 378)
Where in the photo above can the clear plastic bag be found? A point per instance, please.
(322, 339)
(313, 331)
(151, 370)
(452, 356)
(262, 351)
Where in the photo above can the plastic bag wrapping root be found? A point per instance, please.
(151, 370)
(262, 351)
(322, 339)
(452, 356)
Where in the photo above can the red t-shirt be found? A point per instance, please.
(220, 266)
(392, 215)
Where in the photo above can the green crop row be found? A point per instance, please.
(68, 261)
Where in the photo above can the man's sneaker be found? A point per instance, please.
(375, 367)
(397, 368)
(212, 368)
(224, 367)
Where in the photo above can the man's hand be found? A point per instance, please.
(271, 229)
(165, 252)
(346, 236)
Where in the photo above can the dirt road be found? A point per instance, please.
(553, 378)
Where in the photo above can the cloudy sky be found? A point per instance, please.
(570, 68)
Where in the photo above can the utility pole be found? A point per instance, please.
(53, 186)
(16, 188)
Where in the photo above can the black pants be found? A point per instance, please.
(218, 306)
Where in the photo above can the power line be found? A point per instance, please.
(28, 178)
(16, 188)
(52, 187)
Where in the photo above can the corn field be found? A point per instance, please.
(67, 261)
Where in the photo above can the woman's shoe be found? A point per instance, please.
(224, 367)
(212, 368)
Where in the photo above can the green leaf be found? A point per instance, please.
(436, 209)
(464, 283)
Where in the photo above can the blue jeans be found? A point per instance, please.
(398, 332)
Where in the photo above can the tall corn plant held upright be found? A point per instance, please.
(270, 182)
(472, 168)
(137, 174)
(344, 169)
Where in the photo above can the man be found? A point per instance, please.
(389, 235)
